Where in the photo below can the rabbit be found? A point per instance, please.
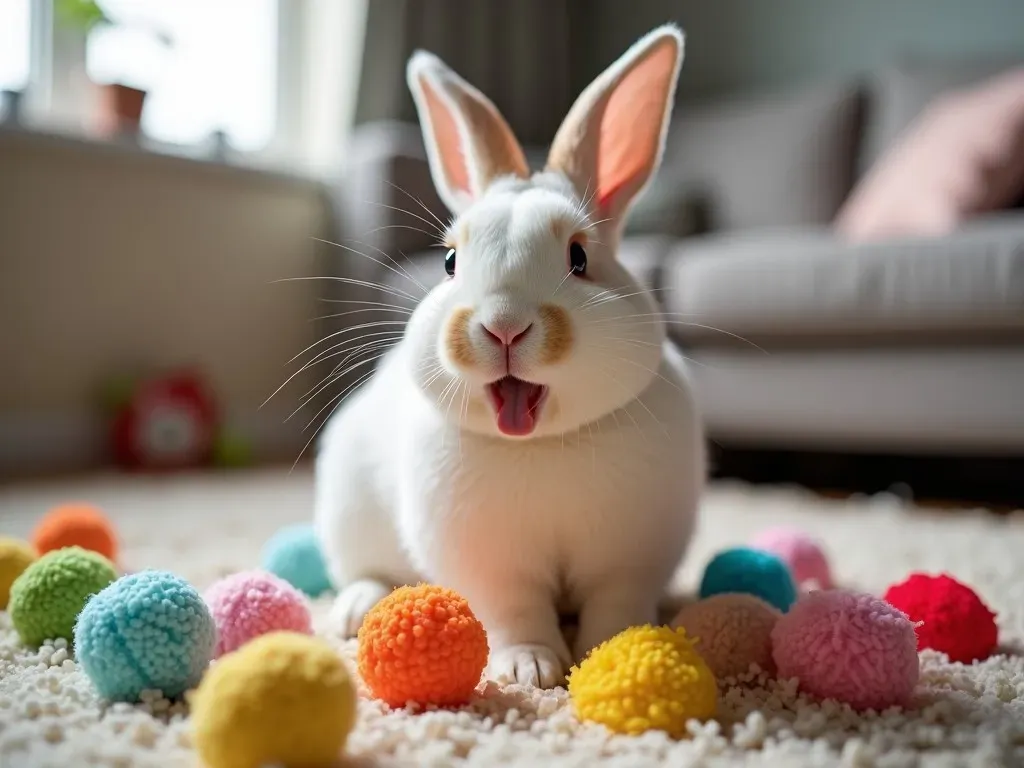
(532, 441)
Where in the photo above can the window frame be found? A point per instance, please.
(55, 101)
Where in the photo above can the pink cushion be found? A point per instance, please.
(963, 156)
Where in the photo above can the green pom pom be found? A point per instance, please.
(48, 596)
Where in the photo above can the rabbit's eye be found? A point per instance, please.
(449, 263)
(577, 259)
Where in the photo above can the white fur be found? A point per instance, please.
(592, 512)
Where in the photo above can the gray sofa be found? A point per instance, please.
(799, 340)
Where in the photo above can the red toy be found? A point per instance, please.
(168, 422)
(954, 619)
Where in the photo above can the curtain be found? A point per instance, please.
(518, 52)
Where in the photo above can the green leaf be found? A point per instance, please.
(85, 14)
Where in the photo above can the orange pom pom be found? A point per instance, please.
(422, 644)
(76, 525)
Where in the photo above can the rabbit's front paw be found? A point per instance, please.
(527, 664)
(352, 605)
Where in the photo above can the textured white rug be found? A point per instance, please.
(204, 527)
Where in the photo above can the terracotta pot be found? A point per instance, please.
(118, 110)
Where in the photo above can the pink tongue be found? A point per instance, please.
(514, 414)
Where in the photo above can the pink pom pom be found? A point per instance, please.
(252, 603)
(800, 552)
(847, 646)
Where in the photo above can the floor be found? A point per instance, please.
(205, 526)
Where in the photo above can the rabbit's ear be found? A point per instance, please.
(469, 144)
(610, 143)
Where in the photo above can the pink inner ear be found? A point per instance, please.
(631, 126)
(446, 139)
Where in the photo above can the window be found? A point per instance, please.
(219, 74)
(275, 78)
(15, 37)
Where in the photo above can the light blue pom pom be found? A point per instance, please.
(752, 572)
(147, 631)
(293, 554)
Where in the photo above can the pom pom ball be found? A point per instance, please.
(644, 678)
(147, 631)
(848, 646)
(76, 525)
(731, 632)
(752, 572)
(252, 603)
(282, 699)
(953, 618)
(802, 554)
(422, 644)
(293, 554)
(15, 557)
(48, 596)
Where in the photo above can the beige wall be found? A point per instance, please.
(113, 257)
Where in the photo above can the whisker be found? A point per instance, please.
(435, 376)
(342, 348)
(419, 202)
(567, 276)
(353, 281)
(358, 311)
(429, 223)
(400, 271)
(358, 327)
(452, 387)
(689, 360)
(312, 362)
(394, 261)
(646, 319)
(463, 412)
(339, 371)
(640, 342)
(625, 409)
(331, 379)
(381, 228)
(395, 307)
(604, 297)
(340, 399)
(653, 373)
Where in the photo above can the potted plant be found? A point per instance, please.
(118, 106)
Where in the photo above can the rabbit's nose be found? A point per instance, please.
(506, 332)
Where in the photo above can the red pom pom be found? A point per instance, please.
(955, 620)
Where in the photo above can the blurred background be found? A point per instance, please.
(838, 226)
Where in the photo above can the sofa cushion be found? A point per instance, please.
(776, 160)
(964, 155)
(799, 288)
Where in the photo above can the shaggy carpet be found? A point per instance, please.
(205, 526)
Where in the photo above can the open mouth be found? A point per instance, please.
(517, 404)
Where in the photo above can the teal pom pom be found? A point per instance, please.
(147, 631)
(751, 572)
(293, 554)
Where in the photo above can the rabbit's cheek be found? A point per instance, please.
(456, 340)
(558, 334)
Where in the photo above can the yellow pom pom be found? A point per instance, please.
(282, 698)
(15, 557)
(644, 678)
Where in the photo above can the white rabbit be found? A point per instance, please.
(532, 441)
